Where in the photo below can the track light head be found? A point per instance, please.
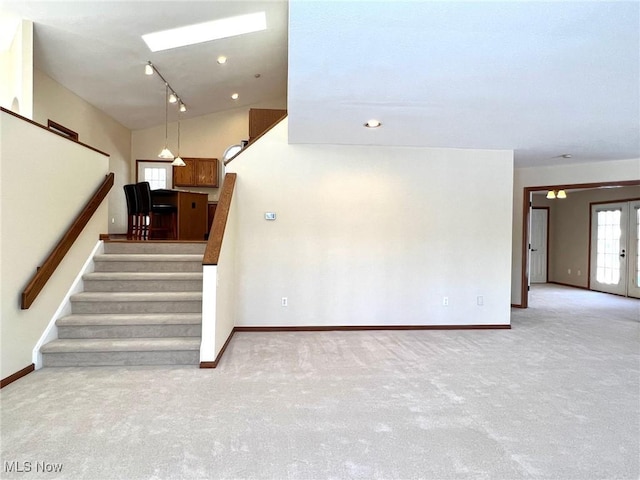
(173, 98)
(183, 107)
(148, 69)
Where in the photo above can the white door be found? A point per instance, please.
(538, 259)
(609, 225)
(633, 286)
(158, 174)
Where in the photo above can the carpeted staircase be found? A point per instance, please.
(141, 306)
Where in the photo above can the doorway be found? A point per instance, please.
(614, 257)
(526, 228)
(538, 257)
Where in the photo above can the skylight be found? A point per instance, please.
(205, 32)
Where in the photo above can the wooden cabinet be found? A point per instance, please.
(262, 119)
(199, 172)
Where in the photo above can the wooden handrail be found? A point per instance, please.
(42, 275)
(214, 244)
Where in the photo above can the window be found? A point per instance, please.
(159, 174)
(157, 177)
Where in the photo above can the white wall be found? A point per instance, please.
(227, 280)
(54, 102)
(44, 182)
(206, 136)
(594, 172)
(372, 235)
(16, 71)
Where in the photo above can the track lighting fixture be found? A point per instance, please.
(170, 97)
(166, 153)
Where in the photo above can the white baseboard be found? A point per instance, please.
(51, 331)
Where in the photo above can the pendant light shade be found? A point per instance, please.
(178, 162)
(166, 153)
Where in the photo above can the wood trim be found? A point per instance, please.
(225, 163)
(623, 200)
(569, 285)
(214, 244)
(524, 293)
(349, 328)
(524, 283)
(53, 131)
(516, 305)
(548, 209)
(214, 364)
(42, 275)
(12, 378)
(57, 128)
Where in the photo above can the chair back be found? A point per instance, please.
(131, 194)
(144, 196)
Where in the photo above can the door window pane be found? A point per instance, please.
(608, 249)
(157, 177)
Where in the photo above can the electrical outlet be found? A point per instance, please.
(445, 301)
(285, 302)
(569, 271)
(480, 300)
(113, 219)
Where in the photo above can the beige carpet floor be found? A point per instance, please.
(555, 397)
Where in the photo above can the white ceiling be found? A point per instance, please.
(542, 78)
(95, 49)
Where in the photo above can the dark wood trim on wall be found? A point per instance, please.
(12, 378)
(61, 129)
(346, 328)
(526, 206)
(214, 364)
(569, 285)
(53, 131)
(355, 328)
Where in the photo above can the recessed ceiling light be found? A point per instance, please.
(567, 155)
(235, 96)
(373, 124)
(222, 59)
(205, 32)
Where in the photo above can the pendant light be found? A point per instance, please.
(178, 162)
(166, 153)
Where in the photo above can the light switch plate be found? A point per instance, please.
(269, 215)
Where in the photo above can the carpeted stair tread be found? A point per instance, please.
(130, 319)
(155, 247)
(119, 276)
(137, 297)
(121, 345)
(147, 257)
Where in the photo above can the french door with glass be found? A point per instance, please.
(615, 248)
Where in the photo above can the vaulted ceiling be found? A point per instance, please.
(541, 78)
